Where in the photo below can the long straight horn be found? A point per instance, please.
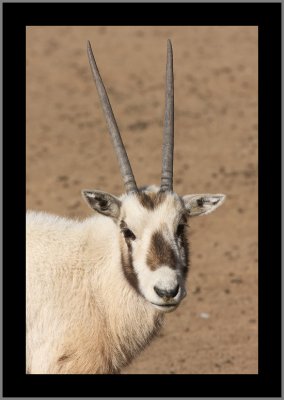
(124, 164)
(168, 144)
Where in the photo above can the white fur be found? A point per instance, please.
(78, 301)
(144, 223)
(83, 316)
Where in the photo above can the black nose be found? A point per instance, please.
(167, 293)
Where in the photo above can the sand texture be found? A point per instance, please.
(215, 329)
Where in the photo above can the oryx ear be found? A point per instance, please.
(202, 204)
(103, 202)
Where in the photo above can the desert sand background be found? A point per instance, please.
(214, 331)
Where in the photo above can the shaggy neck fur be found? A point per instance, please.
(129, 318)
(86, 317)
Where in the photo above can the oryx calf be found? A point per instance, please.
(97, 290)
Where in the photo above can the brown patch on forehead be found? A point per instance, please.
(151, 200)
(160, 252)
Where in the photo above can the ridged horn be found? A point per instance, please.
(168, 143)
(124, 164)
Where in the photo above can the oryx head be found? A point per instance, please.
(152, 220)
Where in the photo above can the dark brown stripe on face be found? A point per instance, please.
(160, 253)
(151, 200)
(127, 265)
(184, 252)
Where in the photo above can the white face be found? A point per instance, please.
(154, 248)
(155, 258)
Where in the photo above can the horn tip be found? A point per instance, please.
(89, 47)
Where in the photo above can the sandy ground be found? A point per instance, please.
(216, 114)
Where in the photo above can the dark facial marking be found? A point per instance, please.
(127, 233)
(181, 237)
(180, 229)
(126, 259)
(184, 249)
(151, 200)
(160, 253)
(122, 224)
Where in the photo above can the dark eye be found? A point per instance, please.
(128, 234)
(180, 229)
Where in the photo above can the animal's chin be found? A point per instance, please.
(165, 307)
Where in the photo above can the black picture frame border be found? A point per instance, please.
(16, 16)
